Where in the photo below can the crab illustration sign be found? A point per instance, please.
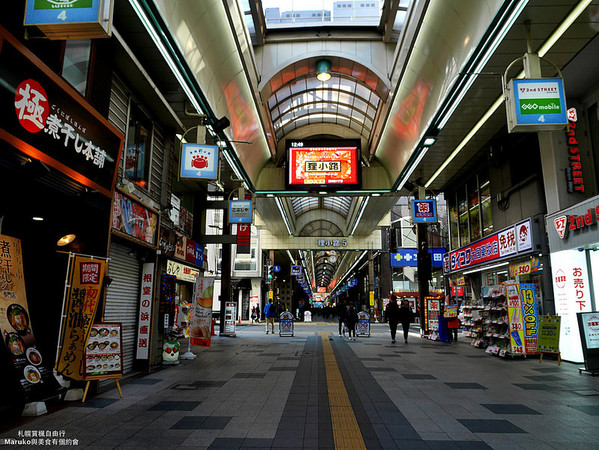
(199, 162)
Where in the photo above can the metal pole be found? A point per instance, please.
(62, 313)
(423, 263)
(225, 271)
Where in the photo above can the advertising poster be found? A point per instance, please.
(572, 295)
(230, 318)
(549, 331)
(86, 276)
(134, 219)
(590, 328)
(514, 309)
(201, 312)
(104, 350)
(15, 324)
(363, 325)
(451, 311)
(432, 313)
(530, 317)
(286, 324)
(145, 311)
(323, 166)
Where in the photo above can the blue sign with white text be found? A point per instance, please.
(408, 257)
(199, 255)
(424, 211)
(540, 101)
(41, 12)
(240, 211)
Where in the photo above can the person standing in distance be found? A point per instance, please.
(269, 313)
(392, 316)
(405, 317)
(341, 310)
(352, 320)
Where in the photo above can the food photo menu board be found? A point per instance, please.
(103, 350)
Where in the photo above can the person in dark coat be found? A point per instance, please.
(351, 321)
(341, 310)
(392, 316)
(405, 317)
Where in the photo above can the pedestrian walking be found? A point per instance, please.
(258, 313)
(351, 321)
(341, 310)
(253, 314)
(392, 316)
(405, 317)
(269, 313)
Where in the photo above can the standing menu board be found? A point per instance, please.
(431, 312)
(588, 326)
(549, 331)
(104, 351)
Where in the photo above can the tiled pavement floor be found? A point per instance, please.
(266, 391)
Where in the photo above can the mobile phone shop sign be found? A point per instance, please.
(61, 11)
(536, 104)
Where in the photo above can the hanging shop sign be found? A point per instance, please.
(508, 242)
(190, 251)
(181, 271)
(574, 177)
(514, 309)
(45, 118)
(536, 105)
(530, 317)
(71, 19)
(199, 255)
(199, 162)
(424, 211)
(244, 239)
(572, 295)
(528, 266)
(145, 311)
(201, 317)
(166, 242)
(133, 219)
(230, 318)
(296, 270)
(408, 257)
(286, 324)
(104, 351)
(363, 325)
(353, 282)
(549, 331)
(25, 360)
(180, 246)
(240, 211)
(588, 324)
(574, 227)
(174, 213)
(84, 286)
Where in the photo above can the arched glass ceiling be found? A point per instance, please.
(340, 205)
(321, 228)
(350, 98)
(301, 205)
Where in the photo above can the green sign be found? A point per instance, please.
(62, 4)
(540, 106)
(549, 334)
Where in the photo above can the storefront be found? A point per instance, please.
(493, 276)
(58, 160)
(574, 244)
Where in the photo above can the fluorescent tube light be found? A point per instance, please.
(359, 216)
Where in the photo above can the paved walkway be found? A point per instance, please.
(317, 390)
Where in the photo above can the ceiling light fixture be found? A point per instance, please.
(429, 141)
(66, 240)
(37, 219)
(323, 70)
(359, 216)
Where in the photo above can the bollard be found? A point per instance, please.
(212, 333)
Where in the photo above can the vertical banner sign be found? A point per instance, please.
(201, 315)
(432, 319)
(530, 317)
(363, 325)
(514, 308)
(572, 295)
(230, 317)
(243, 239)
(15, 325)
(145, 311)
(86, 277)
(286, 324)
(549, 327)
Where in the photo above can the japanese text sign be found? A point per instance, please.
(424, 211)
(530, 317)
(590, 327)
(514, 308)
(536, 105)
(408, 257)
(549, 331)
(83, 296)
(145, 311)
(432, 311)
(199, 162)
(296, 270)
(48, 120)
(240, 211)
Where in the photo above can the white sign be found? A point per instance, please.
(199, 161)
(145, 311)
(175, 210)
(307, 316)
(571, 291)
(507, 242)
(590, 325)
(524, 236)
(230, 318)
(182, 272)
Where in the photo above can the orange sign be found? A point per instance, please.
(86, 276)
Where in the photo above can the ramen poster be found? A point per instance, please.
(15, 322)
(86, 276)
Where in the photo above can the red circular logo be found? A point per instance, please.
(31, 105)
(560, 279)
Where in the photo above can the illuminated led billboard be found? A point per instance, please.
(323, 165)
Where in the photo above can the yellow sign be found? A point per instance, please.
(86, 276)
(514, 307)
(270, 295)
(371, 298)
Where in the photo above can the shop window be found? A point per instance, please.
(463, 217)
(474, 210)
(485, 206)
(453, 223)
(75, 65)
(137, 155)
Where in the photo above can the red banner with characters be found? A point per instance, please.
(86, 276)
